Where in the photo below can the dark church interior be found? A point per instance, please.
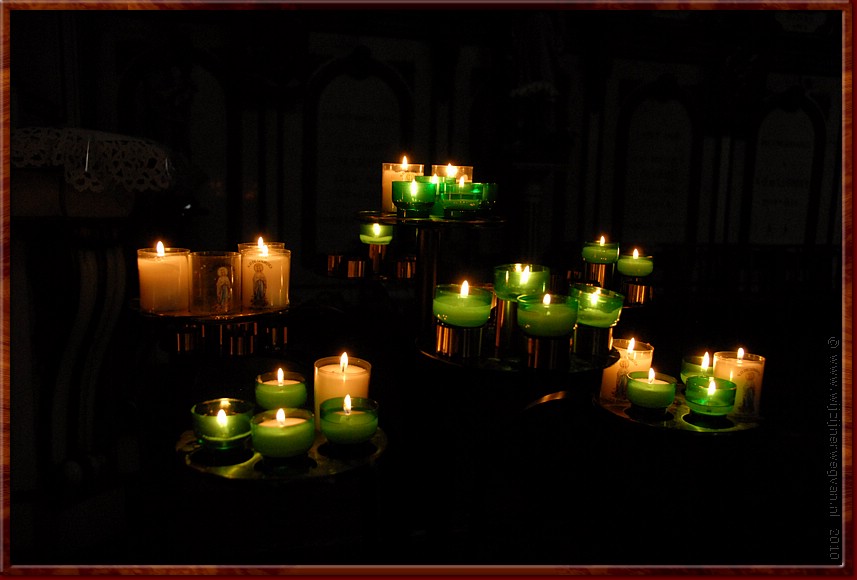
(710, 139)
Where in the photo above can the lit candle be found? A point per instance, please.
(696, 366)
(710, 395)
(635, 264)
(415, 197)
(513, 280)
(280, 389)
(597, 307)
(548, 315)
(265, 277)
(283, 432)
(453, 172)
(376, 234)
(461, 305)
(349, 420)
(633, 356)
(222, 423)
(390, 172)
(340, 376)
(163, 274)
(600, 252)
(463, 198)
(746, 371)
(650, 389)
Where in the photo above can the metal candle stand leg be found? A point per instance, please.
(636, 292)
(548, 353)
(507, 331)
(377, 256)
(598, 274)
(591, 342)
(458, 342)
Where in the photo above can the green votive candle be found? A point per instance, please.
(283, 433)
(710, 395)
(376, 233)
(222, 423)
(600, 252)
(461, 305)
(463, 199)
(635, 265)
(597, 306)
(548, 315)
(695, 365)
(414, 198)
(280, 389)
(348, 420)
(650, 389)
(513, 280)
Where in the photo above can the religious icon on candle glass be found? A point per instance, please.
(224, 289)
(260, 286)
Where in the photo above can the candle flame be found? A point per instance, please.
(630, 346)
(712, 387)
(343, 362)
(260, 242)
(651, 375)
(525, 275)
(160, 248)
(465, 289)
(280, 375)
(376, 230)
(461, 181)
(546, 300)
(705, 361)
(740, 354)
(404, 162)
(451, 170)
(264, 250)
(434, 179)
(593, 297)
(281, 417)
(517, 267)
(346, 404)
(636, 254)
(601, 241)
(413, 188)
(221, 418)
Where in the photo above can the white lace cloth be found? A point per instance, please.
(92, 160)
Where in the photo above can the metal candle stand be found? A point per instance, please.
(591, 342)
(377, 256)
(507, 327)
(548, 353)
(636, 291)
(598, 274)
(457, 342)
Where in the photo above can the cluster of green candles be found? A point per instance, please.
(631, 264)
(277, 424)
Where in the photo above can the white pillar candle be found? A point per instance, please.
(163, 274)
(391, 172)
(265, 278)
(337, 377)
(746, 371)
(633, 356)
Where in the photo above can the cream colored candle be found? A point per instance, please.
(337, 377)
(633, 356)
(746, 371)
(265, 277)
(391, 172)
(163, 274)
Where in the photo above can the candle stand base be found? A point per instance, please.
(708, 421)
(598, 274)
(377, 256)
(548, 353)
(649, 415)
(406, 268)
(591, 342)
(458, 342)
(507, 335)
(635, 292)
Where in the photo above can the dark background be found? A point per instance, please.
(712, 139)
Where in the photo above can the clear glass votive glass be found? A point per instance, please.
(215, 282)
(265, 277)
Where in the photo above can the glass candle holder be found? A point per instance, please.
(513, 280)
(600, 252)
(547, 315)
(651, 390)
(415, 198)
(222, 423)
(265, 276)
(461, 305)
(283, 432)
(280, 389)
(710, 395)
(597, 307)
(453, 172)
(462, 199)
(257, 245)
(746, 371)
(489, 198)
(692, 366)
(391, 172)
(635, 265)
(337, 376)
(376, 234)
(634, 356)
(163, 275)
(349, 422)
(215, 282)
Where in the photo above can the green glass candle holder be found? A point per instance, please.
(634, 265)
(462, 200)
(707, 395)
(415, 198)
(489, 198)
(284, 432)
(346, 425)
(691, 366)
(513, 280)
(547, 315)
(376, 234)
(275, 392)
(222, 423)
(600, 252)
(456, 306)
(650, 390)
(597, 306)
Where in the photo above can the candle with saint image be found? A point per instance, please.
(461, 305)
(633, 356)
(265, 277)
(337, 377)
(650, 389)
(280, 389)
(548, 315)
(348, 420)
(391, 172)
(746, 371)
(283, 432)
(163, 274)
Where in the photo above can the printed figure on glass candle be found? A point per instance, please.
(224, 289)
(260, 286)
(619, 391)
(748, 401)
